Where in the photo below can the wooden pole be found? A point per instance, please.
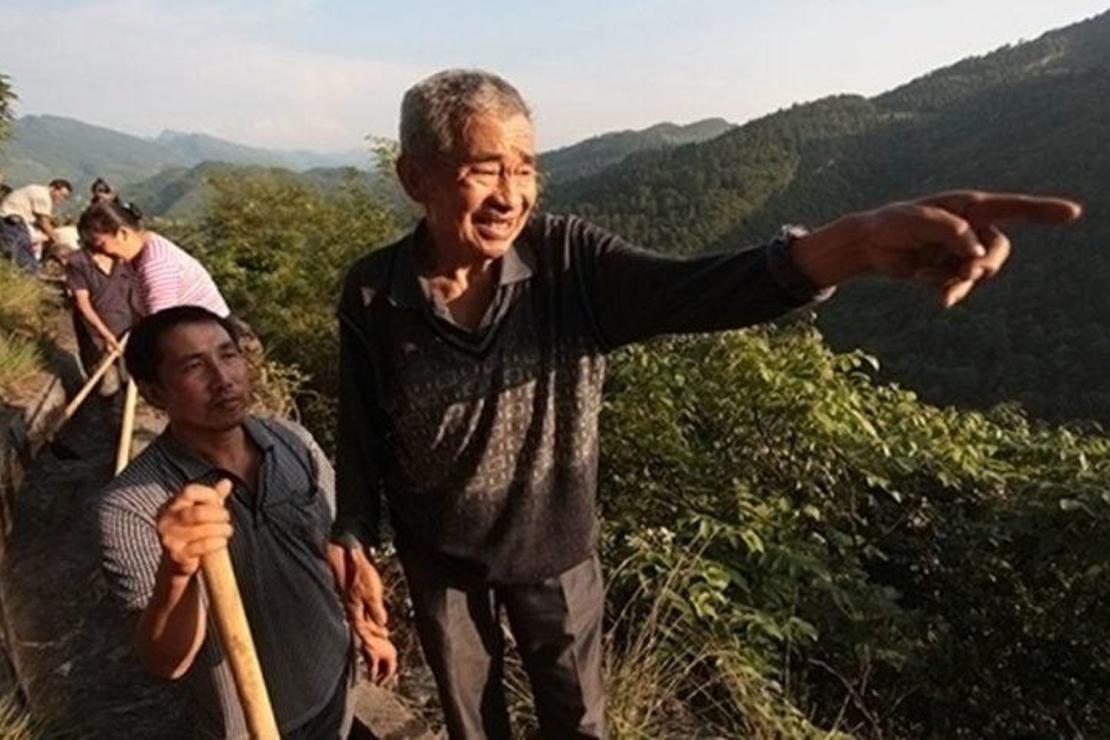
(127, 430)
(86, 389)
(235, 634)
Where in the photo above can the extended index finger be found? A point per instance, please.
(985, 207)
(1017, 206)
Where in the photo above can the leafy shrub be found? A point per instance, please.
(278, 248)
(850, 557)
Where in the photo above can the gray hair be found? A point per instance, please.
(435, 110)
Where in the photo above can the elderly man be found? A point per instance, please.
(217, 470)
(27, 216)
(472, 357)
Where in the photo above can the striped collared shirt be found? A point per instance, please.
(278, 554)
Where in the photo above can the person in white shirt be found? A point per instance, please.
(27, 217)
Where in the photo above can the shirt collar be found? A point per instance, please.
(407, 289)
(194, 468)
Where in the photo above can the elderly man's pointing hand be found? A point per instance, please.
(950, 240)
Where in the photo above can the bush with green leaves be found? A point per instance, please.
(278, 249)
(848, 557)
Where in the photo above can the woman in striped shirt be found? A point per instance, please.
(167, 274)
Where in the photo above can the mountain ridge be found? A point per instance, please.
(1033, 116)
(47, 146)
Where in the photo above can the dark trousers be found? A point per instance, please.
(556, 624)
(334, 720)
(15, 242)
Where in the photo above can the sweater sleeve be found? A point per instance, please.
(635, 294)
(360, 438)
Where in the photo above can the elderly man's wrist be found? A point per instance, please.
(835, 252)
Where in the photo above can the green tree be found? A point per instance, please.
(7, 101)
(7, 112)
(278, 248)
(840, 555)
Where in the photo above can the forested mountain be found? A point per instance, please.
(204, 148)
(184, 193)
(43, 147)
(598, 152)
(1034, 116)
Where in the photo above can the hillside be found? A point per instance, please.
(598, 152)
(184, 193)
(43, 147)
(1035, 116)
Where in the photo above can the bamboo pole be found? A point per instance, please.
(127, 430)
(86, 389)
(235, 634)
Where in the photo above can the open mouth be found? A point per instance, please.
(495, 227)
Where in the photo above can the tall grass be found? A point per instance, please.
(22, 303)
(653, 673)
(15, 722)
(22, 300)
(19, 359)
(666, 678)
(670, 674)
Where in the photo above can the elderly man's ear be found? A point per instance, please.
(413, 178)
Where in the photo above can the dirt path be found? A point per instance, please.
(70, 641)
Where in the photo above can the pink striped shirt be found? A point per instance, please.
(170, 276)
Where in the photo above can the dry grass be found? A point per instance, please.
(20, 358)
(23, 300)
(650, 682)
(15, 721)
(654, 671)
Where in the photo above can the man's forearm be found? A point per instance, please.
(172, 627)
(834, 252)
(46, 226)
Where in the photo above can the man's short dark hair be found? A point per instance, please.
(144, 347)
(60, 184)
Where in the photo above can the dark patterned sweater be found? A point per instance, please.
(485, 443)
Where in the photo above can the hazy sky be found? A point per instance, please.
(322, 74)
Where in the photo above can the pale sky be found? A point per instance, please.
(322, 74)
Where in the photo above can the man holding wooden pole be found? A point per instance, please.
(215, 471)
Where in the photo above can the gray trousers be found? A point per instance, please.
(556, 624)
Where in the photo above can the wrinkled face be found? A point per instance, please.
(123, 245)
(203, 381)
(479, 202)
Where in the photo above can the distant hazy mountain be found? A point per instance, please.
(43, 147)
(183, 193)
(203, 148)
(597, 153)
(1031, 116)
